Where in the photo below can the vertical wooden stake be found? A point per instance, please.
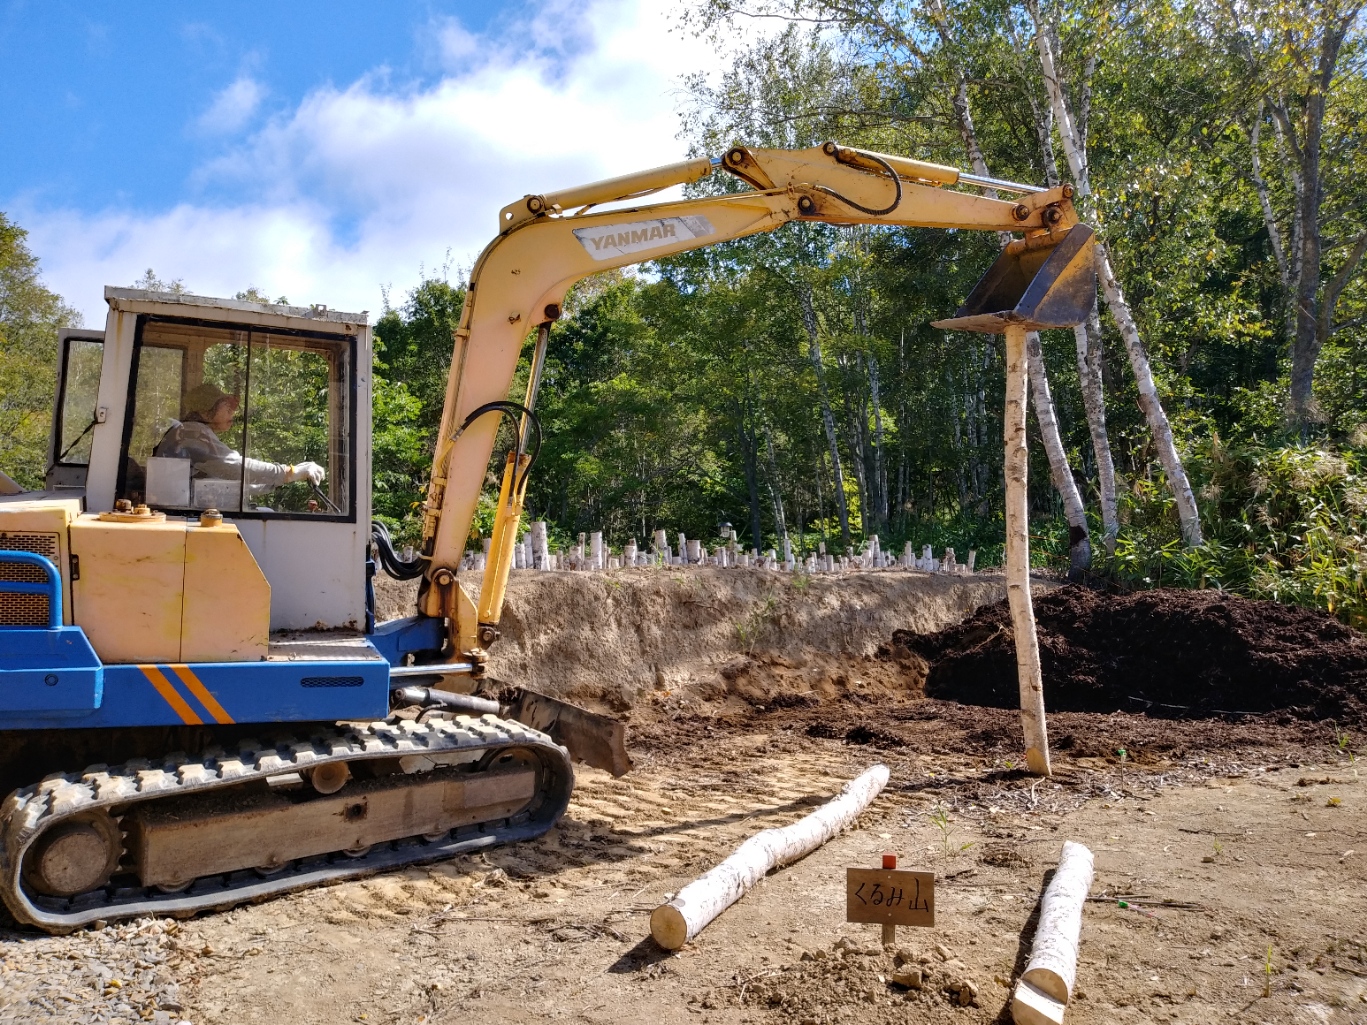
(1018, 559)
(889, 928)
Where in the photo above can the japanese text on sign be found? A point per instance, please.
(889, 896)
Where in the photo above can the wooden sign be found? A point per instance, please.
(889, 896)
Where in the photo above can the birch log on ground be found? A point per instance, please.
(1079, 541)
(702, 900)
(1046, 986)
(1018, 559)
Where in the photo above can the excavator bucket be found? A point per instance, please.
(591, 738)
(1035, 284)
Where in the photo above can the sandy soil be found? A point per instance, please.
(1257, 828)
(612, 640)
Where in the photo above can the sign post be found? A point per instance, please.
(890, 897)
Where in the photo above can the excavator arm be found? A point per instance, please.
(548, 242)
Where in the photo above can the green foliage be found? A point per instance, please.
(414, 343)
(288, 410)
(413, 347)
(1286, 523)
(30, 315)
(401, 457)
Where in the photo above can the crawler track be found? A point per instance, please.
(27, 813)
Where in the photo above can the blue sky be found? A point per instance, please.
(317, 150)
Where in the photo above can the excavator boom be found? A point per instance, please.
(548, 242)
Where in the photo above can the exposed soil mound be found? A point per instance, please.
(1167, 652)
(660, 640)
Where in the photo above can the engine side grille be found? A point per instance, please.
(30, 541)
(23, 609)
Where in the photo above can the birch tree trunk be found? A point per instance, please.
(827, 416)
(780, 521)
(1088, 339)
(856, 421)
(1149, 401)
(697, 904)
(879, 476)
(1079, 542)
(750, 462)
(1018, 559)
(1087, 335)
(1058, 460)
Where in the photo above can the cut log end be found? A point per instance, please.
(1048, 982)
(1030, 1006)
(669, 927)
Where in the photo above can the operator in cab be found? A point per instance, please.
(208, 412)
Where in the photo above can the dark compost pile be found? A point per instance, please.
(1168, 652)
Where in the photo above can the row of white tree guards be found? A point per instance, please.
(590, 553)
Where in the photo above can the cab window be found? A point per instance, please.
(82, 359)
(240, 420)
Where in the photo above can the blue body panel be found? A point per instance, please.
(53, 678)
(217, 692)
(414, 635)
(50, 671)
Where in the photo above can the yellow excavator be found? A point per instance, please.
(196, 705)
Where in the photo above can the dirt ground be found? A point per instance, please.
(1243, 845)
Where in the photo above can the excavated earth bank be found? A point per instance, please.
(672, 638)
(1167, 653)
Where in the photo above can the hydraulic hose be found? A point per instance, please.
(390, 561)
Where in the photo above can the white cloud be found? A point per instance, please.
(456, 46)
(360, 186)
(232, 107)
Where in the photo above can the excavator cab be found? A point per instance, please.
(181, 585)
(135, 421)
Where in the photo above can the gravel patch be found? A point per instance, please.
(122, 973)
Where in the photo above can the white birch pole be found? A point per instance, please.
(1079, 543)
(1043, 991)
(1088, 340)
(1149, 401)
(1018, 558)
(702, 900)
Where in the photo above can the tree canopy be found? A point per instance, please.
(790, 384)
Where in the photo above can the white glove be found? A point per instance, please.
(311, 472)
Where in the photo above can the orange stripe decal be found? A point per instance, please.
(171, 696)
(201, 693)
